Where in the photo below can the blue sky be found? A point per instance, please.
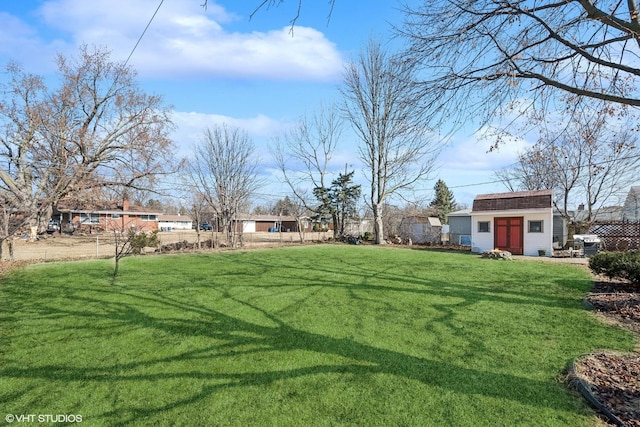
(217, 65)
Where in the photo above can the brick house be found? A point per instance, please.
(104, 216)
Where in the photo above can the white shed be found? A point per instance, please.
(421, 229)
(518, 222)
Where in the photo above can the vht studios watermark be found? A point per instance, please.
(43, 418)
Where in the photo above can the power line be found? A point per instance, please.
(143, 33)
(124, 65)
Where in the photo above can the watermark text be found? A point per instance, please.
(43, 418)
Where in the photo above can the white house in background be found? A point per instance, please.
(518, 222)
(631, 208)
(174, 222)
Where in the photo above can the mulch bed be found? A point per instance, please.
(614, 379)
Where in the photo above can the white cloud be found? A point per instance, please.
(186, 40)
(19, 42)
(468, 166)
(476, 153)
(189, 127)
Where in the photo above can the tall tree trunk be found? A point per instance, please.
(300, 229)
(378, 231)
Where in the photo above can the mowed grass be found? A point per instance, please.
(316, 335)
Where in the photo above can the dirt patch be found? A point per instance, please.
(614, 379)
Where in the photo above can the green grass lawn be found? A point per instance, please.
(316, 335)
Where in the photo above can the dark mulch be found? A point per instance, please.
(614, 380)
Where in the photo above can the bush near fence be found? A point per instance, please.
(617, 265)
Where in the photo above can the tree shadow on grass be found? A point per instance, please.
(114, 310)
(232, 335)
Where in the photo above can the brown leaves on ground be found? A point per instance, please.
(614, 380)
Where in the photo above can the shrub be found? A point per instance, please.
(617, 265)
(139, 241)
(367, 235)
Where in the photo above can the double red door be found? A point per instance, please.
(508, 234)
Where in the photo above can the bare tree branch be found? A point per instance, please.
(225, 174)
(480, 56)
(303, 155)
(96, 129)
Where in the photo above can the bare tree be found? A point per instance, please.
(303, 155)
(225, 174)
(198, 212)
(301, 215)
(96, 129)
(380, 101)
(132, 241)
(585, 162)
(482, 55)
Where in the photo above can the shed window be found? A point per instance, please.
(535, 227)
(483, 227)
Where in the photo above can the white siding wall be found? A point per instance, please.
(532, 241)
(175, 225)
(248, 226)
(481, 242)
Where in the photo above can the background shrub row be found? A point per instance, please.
(617, 265)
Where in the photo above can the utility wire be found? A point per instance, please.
(143, 33)
(124, 65)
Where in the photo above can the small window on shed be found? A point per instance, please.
(535, 226)
(483, 227)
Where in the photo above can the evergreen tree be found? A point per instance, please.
(283, 207)
(337, 202)
(344, 196)
(443, 200)
(325, 212)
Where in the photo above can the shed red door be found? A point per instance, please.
(508, 234)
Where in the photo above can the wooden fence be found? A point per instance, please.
(617, 235)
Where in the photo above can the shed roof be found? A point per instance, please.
(431, 220)
(513, 194)
(515, 200)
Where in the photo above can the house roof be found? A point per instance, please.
(605, 213)
(264, 218)
(516, 200)
(101, 207)
(175, 218)
(461, 212)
